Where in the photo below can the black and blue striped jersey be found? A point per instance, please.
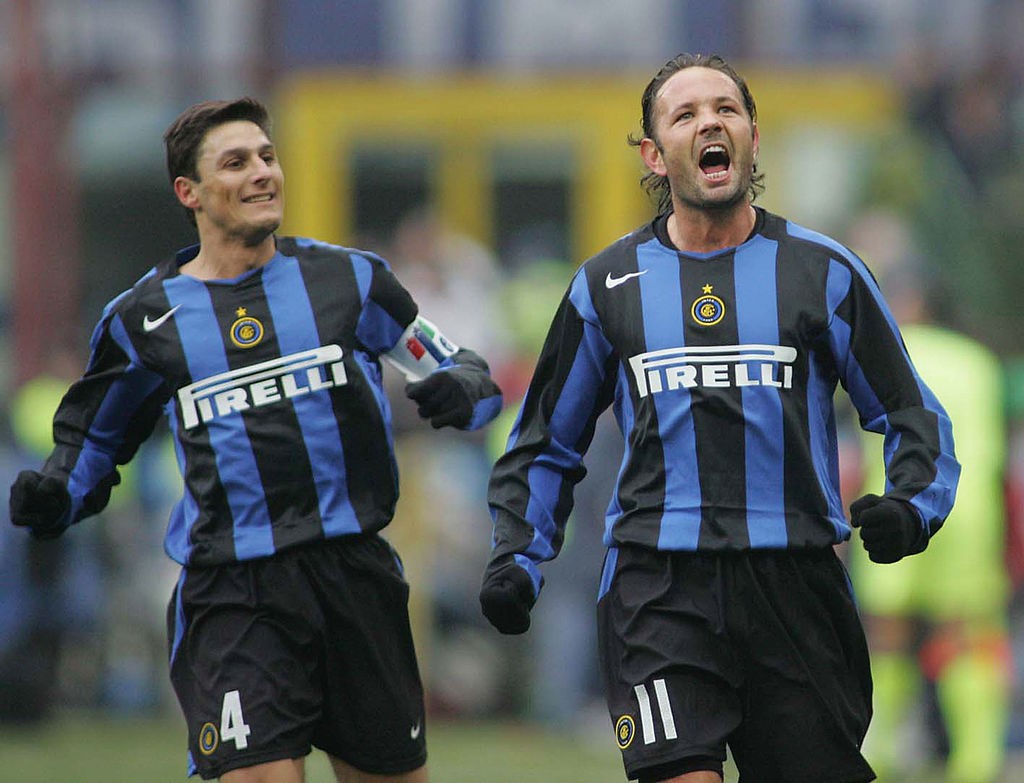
(272, 387)
(721, 370)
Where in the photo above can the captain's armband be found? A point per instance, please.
(420, 350)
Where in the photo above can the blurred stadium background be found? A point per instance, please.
(479, 145)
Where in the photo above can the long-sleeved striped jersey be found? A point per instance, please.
(721, 368)
(272, 387)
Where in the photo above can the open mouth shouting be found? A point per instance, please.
(714, 162)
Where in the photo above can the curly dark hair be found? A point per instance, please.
(657, 186)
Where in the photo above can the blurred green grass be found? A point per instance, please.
(97, 748)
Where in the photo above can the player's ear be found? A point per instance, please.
(186, 192)
(651, 155)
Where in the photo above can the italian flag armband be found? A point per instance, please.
(420, 350)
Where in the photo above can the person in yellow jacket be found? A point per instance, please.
(956, 597)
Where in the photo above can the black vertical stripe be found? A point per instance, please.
(801, 282)
(509, 491)
(641, 487)
(288, 485)
(334, 296)
(718, 418)
(163, 349)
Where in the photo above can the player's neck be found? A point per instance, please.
(695, 230)
(220, 259)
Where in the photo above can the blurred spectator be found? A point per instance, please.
(437, 525)
(52, 599)
(139, 579)
(31, 630)
(953, 166)
(972, 114)
(942, 616)
(453, 275)
(529, 296)
(91, 612)
(1015, 540)
(561, 652)
(565, 678)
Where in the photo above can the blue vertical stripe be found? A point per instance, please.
(821, 428)
(575, 407)
(371, 370)
(177, 636)
(296, 331)
(757, 317)
(364, 275)
(611, 559)
(573, 410)
(625, 416)
(377, 329)
(179, 618)
(661, 299)
(186, 510)
(820, 411)
(204, 353)
(107, 428)
(839, 333)
(839, 282)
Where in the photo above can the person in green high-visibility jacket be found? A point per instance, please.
(956, 598)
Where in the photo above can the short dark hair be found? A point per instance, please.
(185, 135)
(656, 185)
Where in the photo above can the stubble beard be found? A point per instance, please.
(255, 235)
(690, 194)
(258, 234)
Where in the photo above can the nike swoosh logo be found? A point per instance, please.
(149, 324)
(611, 282)
(414, 732)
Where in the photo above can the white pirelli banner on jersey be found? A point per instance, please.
(261, 384)
(713, 366)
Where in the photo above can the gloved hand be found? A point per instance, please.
(506, 598)
(442, 398)
(889, 528)
(39, 502)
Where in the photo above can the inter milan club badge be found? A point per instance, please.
(624, 731)
(208, 739)
(708, 309)
(246, 331)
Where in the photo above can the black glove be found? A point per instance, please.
(889, 528)
(40, 503)
(443, 399)
(506, 599)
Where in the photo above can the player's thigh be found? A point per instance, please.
(284, 771)
(789, 735)
(807, 695)
(346, 773)
(373, 712)
(670, 678)
(244, 669)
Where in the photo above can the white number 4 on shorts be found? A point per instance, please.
(232, 724)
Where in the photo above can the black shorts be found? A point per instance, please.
(311, 647)
(761, 651)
